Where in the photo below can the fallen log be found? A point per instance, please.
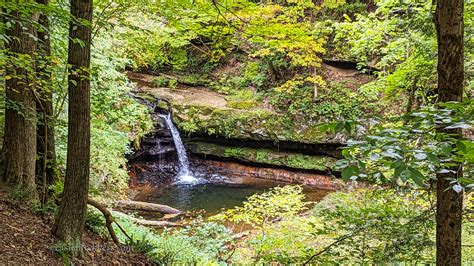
(146, 206)
(158, 224)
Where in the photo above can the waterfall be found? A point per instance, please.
(183, 175)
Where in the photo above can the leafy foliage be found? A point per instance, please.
(117, 119)
(411, 148)
(368, 225)
(260, 209)
(200, 242)
(376, 226)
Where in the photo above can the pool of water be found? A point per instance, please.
(213, 197)
(209, 197)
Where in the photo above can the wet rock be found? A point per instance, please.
(258, 176)
(156, 173)
(263, 157)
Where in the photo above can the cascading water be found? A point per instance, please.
(184, 175)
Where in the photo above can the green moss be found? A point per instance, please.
(146, 96)
(239, 104)
(243, 99)
(266, 156)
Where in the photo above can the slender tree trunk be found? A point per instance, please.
(70, 221)
(19, 146)
(450, 28)
(46, 153)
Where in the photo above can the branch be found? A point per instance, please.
(109, 219)
(340, 239)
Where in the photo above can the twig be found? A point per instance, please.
(123, 231)
(342, 238)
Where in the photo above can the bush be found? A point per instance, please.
(243, 99)
(173, 83)
(198, 243)
(280, 242)
(378, 226)
(161, 81)
(260, 209)
(363, 226)
(194, 79)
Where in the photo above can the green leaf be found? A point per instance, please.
(405, 174)
(399, 169)
(347, 154)
(432, 158)
(446, 148)
(461, 146)
(417, 177)
(350, 172)
(396, 164)
(348, 127)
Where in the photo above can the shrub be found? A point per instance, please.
(161, 81)
(376, 226)
(199, 243)
(243, 99)
(260, 209)
(363, 226)
(281, 241)
(173, 83)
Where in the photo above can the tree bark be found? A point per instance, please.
(46, 153)
(70, 221)
(19, 146)
(450, 30)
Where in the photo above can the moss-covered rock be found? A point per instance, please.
(258, 124)
(264, 156)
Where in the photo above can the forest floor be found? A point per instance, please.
(25, 238)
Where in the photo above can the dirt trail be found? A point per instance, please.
(182, 95)
(25, 238)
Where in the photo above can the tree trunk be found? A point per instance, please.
(70, 221)
(46, 153)
(19, 146)
(450, 28)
